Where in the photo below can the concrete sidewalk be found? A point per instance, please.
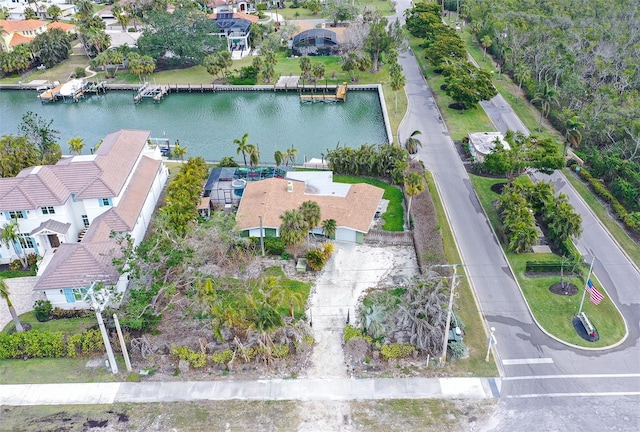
(294, 389)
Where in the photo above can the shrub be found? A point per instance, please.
(273, 246)
(351, 332)
(458, 349)
(280, 350)
(33, 344)
(42, 309)
(32, 260)
(222, 356)
(316, 259)
(92, 342)
(80, 72)
(395, 351)
(195, 358)
(327, 249)
(58, 313)
(15, 265)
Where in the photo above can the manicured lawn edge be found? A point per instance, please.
(467, 305)
(548, 305)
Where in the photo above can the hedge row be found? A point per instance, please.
(35, 344)
(630, 220)
(551, 267)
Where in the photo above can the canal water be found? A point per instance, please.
(207, 123)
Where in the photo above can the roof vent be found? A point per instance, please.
(289, 186)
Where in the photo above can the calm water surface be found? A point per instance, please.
(207, 123)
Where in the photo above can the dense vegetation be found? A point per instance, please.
(579, 61)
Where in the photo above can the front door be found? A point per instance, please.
(54, 241)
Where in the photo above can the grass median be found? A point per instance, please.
(554, 312)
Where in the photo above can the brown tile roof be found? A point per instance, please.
(62, 26)
(238, 15)
(18, 39)
(53, 226)
(103, 177)
(116, 157)
(79, 264)
(10, 26)
(123, 217)
(269, 199)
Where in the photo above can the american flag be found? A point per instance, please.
(594, 294)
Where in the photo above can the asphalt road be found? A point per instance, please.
(548, 376)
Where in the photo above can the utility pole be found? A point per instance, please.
(99, 299)
(448, 323)
(492, 341)
(123, 346)
(261, 236)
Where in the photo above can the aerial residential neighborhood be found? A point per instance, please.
(326, 215)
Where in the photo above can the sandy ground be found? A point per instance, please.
(335, 297)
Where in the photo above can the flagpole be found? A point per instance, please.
(585, 284)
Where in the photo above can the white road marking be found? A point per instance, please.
(527, 361)
(548, 395)
(536, 377)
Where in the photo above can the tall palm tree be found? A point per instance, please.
(254, 155)
(311, 213)
(545, 97)
(290, 155)
(4, 293)
(76, 145)
(521, 74)
(572, 132)
(412, 143)
(10, 237)
(414, 184)
(242, 144)
(293, 229)
(278, 156)
(329, 227)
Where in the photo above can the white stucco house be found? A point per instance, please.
(67, 212)
(353, 206)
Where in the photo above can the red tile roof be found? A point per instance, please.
(10, 26)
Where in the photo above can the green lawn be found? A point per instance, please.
(465, 306)
(289, 13)
(394, 216)
(67, 325)
(630, 247)
(37, 371)
(459, 123)
(554, 312)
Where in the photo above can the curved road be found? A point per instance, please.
(545, 384)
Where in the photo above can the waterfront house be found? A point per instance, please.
(353, 206)
(16, 32)
(69, 212)
(235, 27)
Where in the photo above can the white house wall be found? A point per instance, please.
(149, 205)
(345, 234)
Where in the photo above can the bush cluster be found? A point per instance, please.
(351, 332)
(396, 351)
(458, 349)
(35, 344)
(57, 313)
(197, 359)
(631, 220)
(222, 356)
(272, 245)
(317, 258)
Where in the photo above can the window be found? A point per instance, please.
(48, 210)
(79, 293)
(17, 215)
(85, 221)
(105, 202)
(26, 242)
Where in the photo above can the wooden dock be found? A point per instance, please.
(155, 92)
(340, 94)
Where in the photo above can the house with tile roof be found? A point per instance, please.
(235, 27)
(16, 32)
(68, 212)
(353, 206)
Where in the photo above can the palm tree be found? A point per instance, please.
(414, 184)
(242, 144)
(311, 213)
(179, 151)
(254, 155)
(412, 143)
(397, 80)
(290, 156)
(11, 238)
(522, 237)
(76, 145)
(4, 293)
(486, 42)
(305, 66)
(521, 74)
(278, 156)
(573, 135)
(329, 227)
(293, 229)
(545, 97)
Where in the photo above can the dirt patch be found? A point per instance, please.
(564, 289)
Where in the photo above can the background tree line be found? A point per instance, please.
(579, 61)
